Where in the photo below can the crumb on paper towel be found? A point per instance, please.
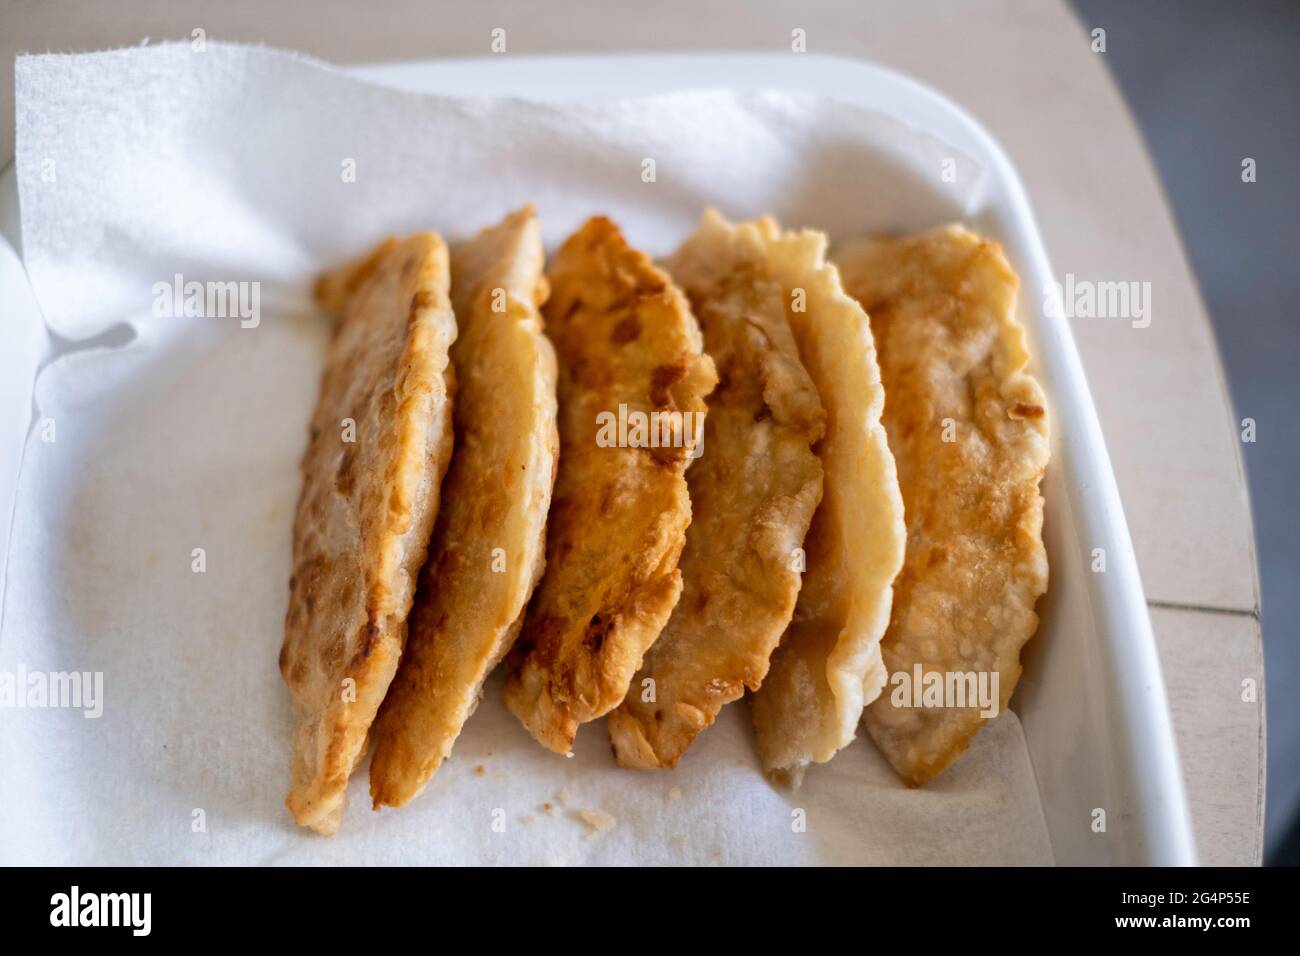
(547, 808)
(527, 819)
(674, 793)
(480, 771)
(598, 820)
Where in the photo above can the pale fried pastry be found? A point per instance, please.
(828, 664)
(624, 335)
(969, 431)
(753, 493)
(487, 549)
(380, 441)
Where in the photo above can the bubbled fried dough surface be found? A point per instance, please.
(753, 494)
(952, 358)
(624, 335)
(487, 550)
(366, 508)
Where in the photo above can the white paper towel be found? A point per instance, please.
(172, 434)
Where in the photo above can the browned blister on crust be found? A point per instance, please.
(624, 336)
(380, 441)
(969, 431)
(753, 493)
(488, 544)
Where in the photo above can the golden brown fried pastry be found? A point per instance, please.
(488, 543)
(380, 440)
(828, 665)
(969, 431)
(625, 337)
(753, 493)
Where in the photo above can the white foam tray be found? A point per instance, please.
(1092, 700)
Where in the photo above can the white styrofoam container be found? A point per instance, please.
(1092, 700)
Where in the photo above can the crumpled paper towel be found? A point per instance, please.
(157, 435)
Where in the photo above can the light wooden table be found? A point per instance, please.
(1026, 70)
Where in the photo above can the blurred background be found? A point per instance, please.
(1211, 81)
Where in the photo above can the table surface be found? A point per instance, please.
(1026, 70)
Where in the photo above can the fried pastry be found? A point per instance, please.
(627, 345)
(753, 493)
(380, 441)
(487, 549)
(969, 430)
(828, 664)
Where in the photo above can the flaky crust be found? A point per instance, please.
(488, 543)
(828, 665)
(753, 493)
(952, 357)
(366, 509)
(624, 334)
